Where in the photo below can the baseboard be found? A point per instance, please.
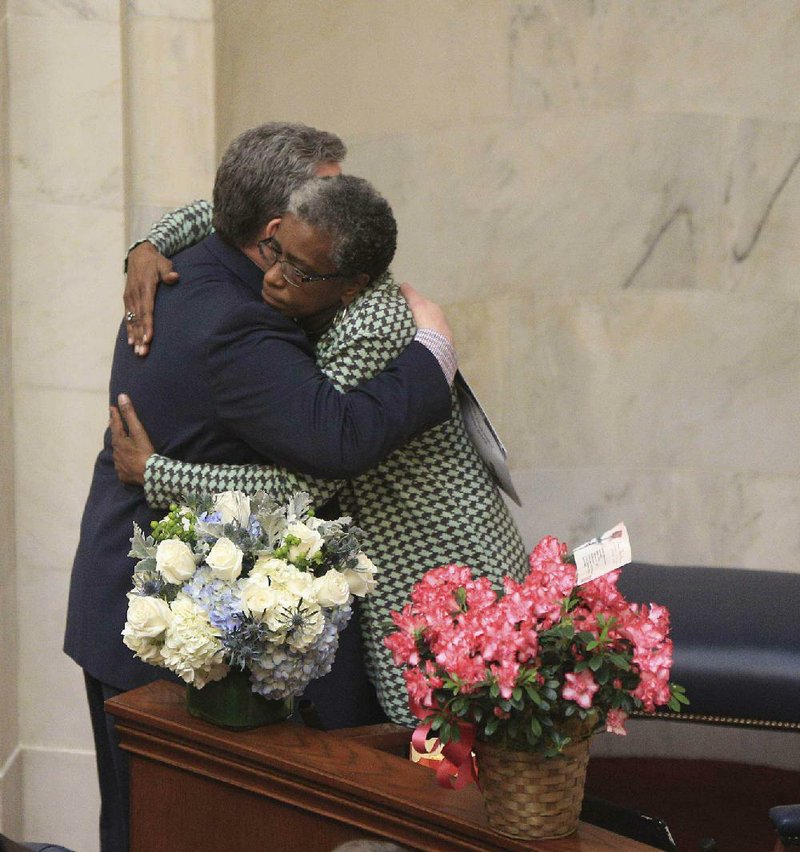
(59, 800)
(11, 823)
(699, 741)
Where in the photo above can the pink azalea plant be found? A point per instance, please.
(543, 664)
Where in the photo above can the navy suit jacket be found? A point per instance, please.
(228, 379)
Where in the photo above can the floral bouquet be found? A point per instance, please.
(237, 582)
(536, 669)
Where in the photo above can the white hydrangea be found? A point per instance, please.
(192, 647)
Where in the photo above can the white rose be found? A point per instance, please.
(332, 589)
(233, 506)
(299, 583)
(225, 559)
(361, 579)
(145, 649)
(258, 597)
(310, 541)
(175, 560)
(270, 566)
(147, 617)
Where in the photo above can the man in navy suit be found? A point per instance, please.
(219, 354)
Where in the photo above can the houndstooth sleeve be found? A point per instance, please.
(168, 481)
(179, 229)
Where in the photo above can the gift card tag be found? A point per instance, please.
(610, 551)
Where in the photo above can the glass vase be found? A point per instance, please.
(231, 703)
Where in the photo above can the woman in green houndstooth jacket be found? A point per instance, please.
(432, 502)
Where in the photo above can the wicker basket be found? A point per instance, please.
(531, 796)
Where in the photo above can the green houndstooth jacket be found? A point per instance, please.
(430, 503)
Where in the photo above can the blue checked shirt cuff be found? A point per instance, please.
(441, 349)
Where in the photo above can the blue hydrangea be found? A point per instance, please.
(219, 598)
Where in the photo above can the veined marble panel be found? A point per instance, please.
(58, 435)
(171, 109)
(195, 10)
(746, 519)
(685, 56)
(361, 66)
(65, 115)
(761, 215)
(67, 294)
(674, 516)
(653, 380)
(83, 10)
(46, 670)
(570, 202)
(577, 503)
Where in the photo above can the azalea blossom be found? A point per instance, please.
(580, 688)
(615, 722)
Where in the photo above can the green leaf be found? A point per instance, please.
(140, 548)
(146, 564)
(517, 694)
(595, 663)
(491, 725)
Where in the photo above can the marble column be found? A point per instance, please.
(66, 241)
(109, 119)
(10, 760)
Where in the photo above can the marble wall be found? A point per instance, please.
(604, 194)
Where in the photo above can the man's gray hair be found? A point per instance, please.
(359, 220)
(261, 169)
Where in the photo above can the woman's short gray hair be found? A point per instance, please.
(261, 169)
(358, 218)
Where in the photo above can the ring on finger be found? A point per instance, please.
(130, 316)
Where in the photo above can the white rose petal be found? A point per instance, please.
(332, 589)
(147, 617)
(310, 541)
(258, 597)
(233, 507)
(267, 565)
(225, 560)
(361, 579)
(299, 583)
(175, 560)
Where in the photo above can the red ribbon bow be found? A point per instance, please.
(457, 768)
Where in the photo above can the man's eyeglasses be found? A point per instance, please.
(291, 274)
